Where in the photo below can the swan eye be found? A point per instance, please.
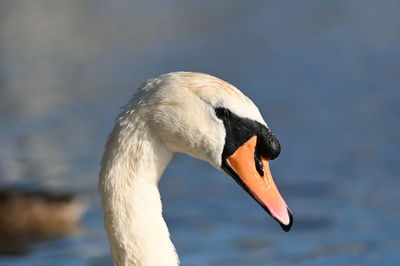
(259, 165)
(221, 112)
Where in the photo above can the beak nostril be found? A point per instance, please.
(258, 163)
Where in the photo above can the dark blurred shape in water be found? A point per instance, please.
(29, 215)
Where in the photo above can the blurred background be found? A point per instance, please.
(325, 75)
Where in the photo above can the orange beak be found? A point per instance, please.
(261, 187)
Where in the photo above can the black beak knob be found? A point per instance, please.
(268, 145)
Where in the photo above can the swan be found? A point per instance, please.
(193, 113)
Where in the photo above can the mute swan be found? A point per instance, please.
(192, 113)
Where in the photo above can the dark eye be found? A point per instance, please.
(221, 112)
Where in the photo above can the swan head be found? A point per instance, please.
(210, 119)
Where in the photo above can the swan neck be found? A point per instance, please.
(132, 165)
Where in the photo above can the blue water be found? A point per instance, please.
(325, 75)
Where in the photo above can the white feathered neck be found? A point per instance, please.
(131, 167)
